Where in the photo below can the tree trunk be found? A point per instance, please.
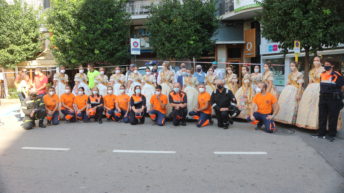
(307, 66)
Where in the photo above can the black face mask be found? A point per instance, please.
(199, 70)
(328, 68)
(220, 86)
(214, 67)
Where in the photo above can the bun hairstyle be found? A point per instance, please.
(158, 87)
(82, 88)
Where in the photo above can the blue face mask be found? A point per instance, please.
(176, 89)
(328, 68)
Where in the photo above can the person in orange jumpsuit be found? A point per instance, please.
(203, 111)
(159, 102)
(110, 104)
(95, 106)
(80, 105)
(178, 101)
(51, 101)
(122, 106)
(66, 104)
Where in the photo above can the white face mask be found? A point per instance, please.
(121, 91)
(118, 71)
(95, 92)
(36, 73)
(102, 72)
(258, 90)
(110, 91)
(51, 92)
(67, 91)
(81, 71)
(176, 89)
(63, 71)
(138, 91)
(256, 70)
(135, 71)
(157, 92)
(148, 73)
(81, 92)
(201, 90)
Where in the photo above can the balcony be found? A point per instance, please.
(139, 9)
(238, 9)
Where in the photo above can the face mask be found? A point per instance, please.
(102, 72)
(95, 92)
(266, 68)
(81, 92)
(81, 71)
(199, 70)
(256, 70)
(62, 71)
(258, 90)
(135, 71)
(176, 89)
(201, 90)
(328, 68)
(121, 90)
(316, 63)
(110, 91)
(36, 73)
(138, 91)
(51, 92)
(210, 72)
(292, 68)
(184, 73)
(118, 71)
(214, 67)
(148, 73)
(220, 86)
(229, 71)
(88, 69)
(67, 91)
(157, 92)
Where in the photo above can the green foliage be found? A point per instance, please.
(182, 30)
(89, 31)
(19, 33)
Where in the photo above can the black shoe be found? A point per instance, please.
(183, 123)
(225, 126)
(49, 122)
(317, 136)
(100, 121)
(329, 138)
(41, 125)
(231, 121)
(211, 122)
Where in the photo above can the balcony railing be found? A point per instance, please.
(138, 7)
(226, 6)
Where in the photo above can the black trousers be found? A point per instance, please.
(179, 116)
(222, 118)
(329, 108)
(29, 122)
(133, 120)
(99, 114)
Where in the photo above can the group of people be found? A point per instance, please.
(180, 95)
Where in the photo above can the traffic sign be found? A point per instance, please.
(135, 46)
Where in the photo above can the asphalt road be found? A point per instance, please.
(117, 157)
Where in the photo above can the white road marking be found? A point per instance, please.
(240, 153)
(46, 148)
(142, 151)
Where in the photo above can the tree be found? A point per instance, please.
(89, 31)
(182, 29)
(316, 23)
(19, 33)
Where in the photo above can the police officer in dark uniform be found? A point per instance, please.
(330, 102)
(223, 102)
(34, 109)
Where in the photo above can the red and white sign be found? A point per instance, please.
(135, 47)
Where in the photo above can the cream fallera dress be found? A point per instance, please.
(81, 78)
(191, 92)
(268, 76)
(148, 88)
(244, 96)
(210, 83)
(117, 80)
(287, 100)
(101, 81)
(135, 79)
(255, 79)
(61, 82)
(165, 79)
(231, 82)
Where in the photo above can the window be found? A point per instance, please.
(46, 4)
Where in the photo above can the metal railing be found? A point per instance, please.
(138, 7)
(226, 6)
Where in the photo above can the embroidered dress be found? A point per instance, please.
(61, 82)
(80, 80)
(102, 81)
(256, 77)
(244, 96)
(231, 82)
(117, 80)
(148, 88)
(267, 77)
(191, 92)
(210, 83)
(135, 79)
(165, 79)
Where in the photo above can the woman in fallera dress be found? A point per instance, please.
(231, 80)
(148, 87)
(245, 94)
(60, 81)
(268, 78)
(210, 81)
(308, 113)
(102, 81)
(134, 79)
(80, 80)
(190, 89)
(165, 79)
(290, 97)
(256, 77)
(116, 80)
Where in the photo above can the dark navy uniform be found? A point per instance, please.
(224, 99)
(29, 105)
(178, 115)
(330, 102)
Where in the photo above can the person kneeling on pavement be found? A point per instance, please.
(264, 108)
(137, 107)
(95, 107)
(159, 103)
(203, 111)
(223, 102)
(66, 104)
(109, 104)
(122, 106)
(34, 109)
(178, 101)
(51, 101)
